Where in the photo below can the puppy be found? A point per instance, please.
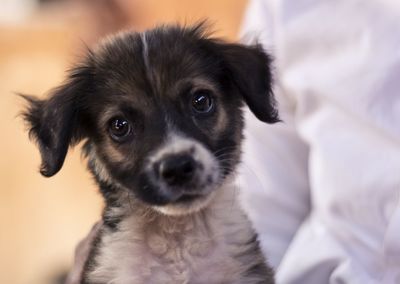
(160, 112)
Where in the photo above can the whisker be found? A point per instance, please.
(129, 200)
(224, 149)
(223, 155)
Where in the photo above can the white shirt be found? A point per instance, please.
(322, 188)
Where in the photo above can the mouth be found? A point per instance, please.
(186, 204)
(188, 198)
(183, 197)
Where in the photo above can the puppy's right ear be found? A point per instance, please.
(250, 70)
(54, 122)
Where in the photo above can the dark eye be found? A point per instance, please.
(119, 129)
(202, 102)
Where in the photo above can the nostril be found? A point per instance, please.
(168, 174)
(177, 169)
(188, 167)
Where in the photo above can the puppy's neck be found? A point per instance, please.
(213, 245)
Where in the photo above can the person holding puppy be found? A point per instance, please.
(322, 188)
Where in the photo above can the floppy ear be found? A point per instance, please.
(54, 122)
(250, 70)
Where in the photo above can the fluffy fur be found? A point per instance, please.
(171, 214)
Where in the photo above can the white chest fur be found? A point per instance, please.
(209, 246)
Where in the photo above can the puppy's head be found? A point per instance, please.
(160, 112)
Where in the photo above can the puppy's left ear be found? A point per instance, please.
(55, 122)
(250, 70)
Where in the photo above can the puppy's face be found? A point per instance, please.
(161, 113)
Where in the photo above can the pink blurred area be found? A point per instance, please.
(43, 219)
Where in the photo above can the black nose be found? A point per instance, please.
(177, 169)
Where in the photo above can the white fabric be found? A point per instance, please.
(322, 188)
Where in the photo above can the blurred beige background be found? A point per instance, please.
(41, 220)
